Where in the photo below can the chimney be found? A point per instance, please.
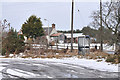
(53, 26)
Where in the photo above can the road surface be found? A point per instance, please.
(22, 68)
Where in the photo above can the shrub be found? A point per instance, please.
(103, 57)
(12, 43)
(42, 56)
(3, 51)
(99, 57)
(50, 56)
(119, 59)
(99, 60)
(110, 59)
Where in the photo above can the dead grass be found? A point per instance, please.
(59, 56)
(98, 55)
(73, 53)
(25, 56)
(43, 56)
(80, 56)
(114, 59)
(5, 57)
(50, 56)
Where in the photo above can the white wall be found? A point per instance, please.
(53, 31)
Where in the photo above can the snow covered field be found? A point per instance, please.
(52, 68)
(1, 68)
(102, 66)
(93, 64)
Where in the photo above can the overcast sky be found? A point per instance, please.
(56, 12)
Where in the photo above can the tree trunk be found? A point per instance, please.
(101, 30)
(15, 52)
(116, 42)
(119, 42)
(6, 53)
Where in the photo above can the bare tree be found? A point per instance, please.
(38, 46)
(119, 28)
(109, 18)
(3, 26)
(43, 44)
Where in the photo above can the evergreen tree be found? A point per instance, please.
(12, 43)
(32, 28)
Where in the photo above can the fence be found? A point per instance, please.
(59, 47)
(64, 46)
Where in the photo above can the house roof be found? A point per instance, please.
(75, 35)
(56, 35)
(20, 32)
(46, 30)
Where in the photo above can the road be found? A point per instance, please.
(22, 68)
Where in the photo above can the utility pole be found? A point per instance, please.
(72, 26)
(101, 28)
(119, 28)
(0, 38)
(48, 30)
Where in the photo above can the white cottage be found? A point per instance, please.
(52, 34)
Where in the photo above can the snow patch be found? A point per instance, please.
(21, 73)
(2, 56)
(1, 68)
(93, 64)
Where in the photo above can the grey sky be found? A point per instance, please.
(56, 12)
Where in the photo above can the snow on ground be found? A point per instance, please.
(21, 73)
(107, 48)
(1, 56)
(1, 68)
(93, 64)
(0, 76)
